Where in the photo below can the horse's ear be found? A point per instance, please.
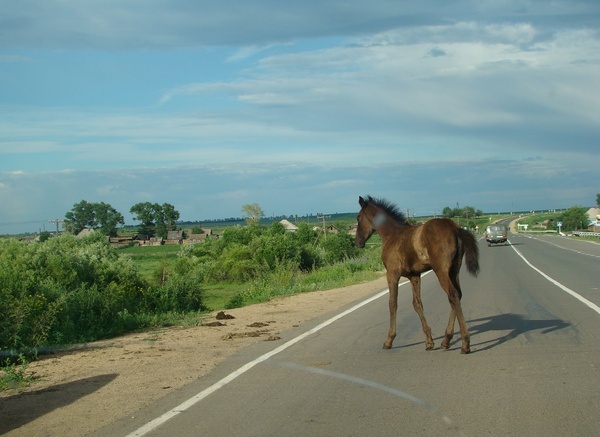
(361, 202)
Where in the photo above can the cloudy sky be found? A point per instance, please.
(298, 106)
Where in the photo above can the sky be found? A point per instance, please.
(300, 107)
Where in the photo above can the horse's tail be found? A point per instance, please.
(471, 249)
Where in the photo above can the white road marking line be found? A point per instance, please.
(152, 425)
(561, 247)
(365, 382)
(576, 295)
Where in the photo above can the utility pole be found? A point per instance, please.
(56, 221)
(323, 217)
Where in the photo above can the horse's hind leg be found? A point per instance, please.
(449, 330)
(418, 306)
(449, 333)
(452, 289)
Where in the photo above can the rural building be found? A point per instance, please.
(593, 215)
(193, 238)
(289, 226)
(85, 233)
(174, 237)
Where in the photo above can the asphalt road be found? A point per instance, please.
(534, 368)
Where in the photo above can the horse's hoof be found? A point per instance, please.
(385, 346)
(463, 351)
(444, 346)
(430, 347)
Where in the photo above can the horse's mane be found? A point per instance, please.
(390, 208)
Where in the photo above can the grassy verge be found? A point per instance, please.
(14, 375)
(150, 261)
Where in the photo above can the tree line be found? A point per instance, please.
(155, 219)
(466, 212)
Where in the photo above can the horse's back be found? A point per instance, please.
(439, 230)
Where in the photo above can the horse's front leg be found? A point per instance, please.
(393, 304)
(415, 281)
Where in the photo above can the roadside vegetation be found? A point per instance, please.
(68, 290)
(572, 219)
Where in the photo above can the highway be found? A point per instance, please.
(534, 319)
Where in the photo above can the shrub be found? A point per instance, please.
(67, 290)
(339, 247)
(178, 294)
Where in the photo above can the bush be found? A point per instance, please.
(178, 294)
(339, 247)
(68, 290)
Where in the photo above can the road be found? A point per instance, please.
(534, 368)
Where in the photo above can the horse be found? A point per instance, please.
(410, 250)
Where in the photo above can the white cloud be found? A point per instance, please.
(323, 99)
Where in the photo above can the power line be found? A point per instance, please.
(22, 223)
(56, 221)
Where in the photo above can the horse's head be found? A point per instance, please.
(365, 219)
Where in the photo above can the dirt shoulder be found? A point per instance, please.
(80, 391)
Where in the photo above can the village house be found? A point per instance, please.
(193, 238)
(289, 226)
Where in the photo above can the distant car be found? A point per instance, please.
(496, 234)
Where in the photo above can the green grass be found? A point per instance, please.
(538, 219)
(218, 296)
(149, 260)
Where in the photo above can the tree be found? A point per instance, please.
(170, 216)
(155, 219)
(253, 213)
(598, 200)
(574, 218)
(144, 212)
(92, 215)
(80, 217)
(468, 211)
(453, 212)
(107, 218)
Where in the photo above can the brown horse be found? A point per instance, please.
(409, 250)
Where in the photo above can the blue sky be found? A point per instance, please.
(298, 106)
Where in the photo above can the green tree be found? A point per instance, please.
(80, 217)
(598, 200)
(170, 216)
(145, 213)
(447, 212)
(573, 218)
(155, 219)
(107, 218)
(92, 215)
(468, 211)
(253, 212)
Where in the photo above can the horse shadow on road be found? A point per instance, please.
(22, 408)
(515, 324)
